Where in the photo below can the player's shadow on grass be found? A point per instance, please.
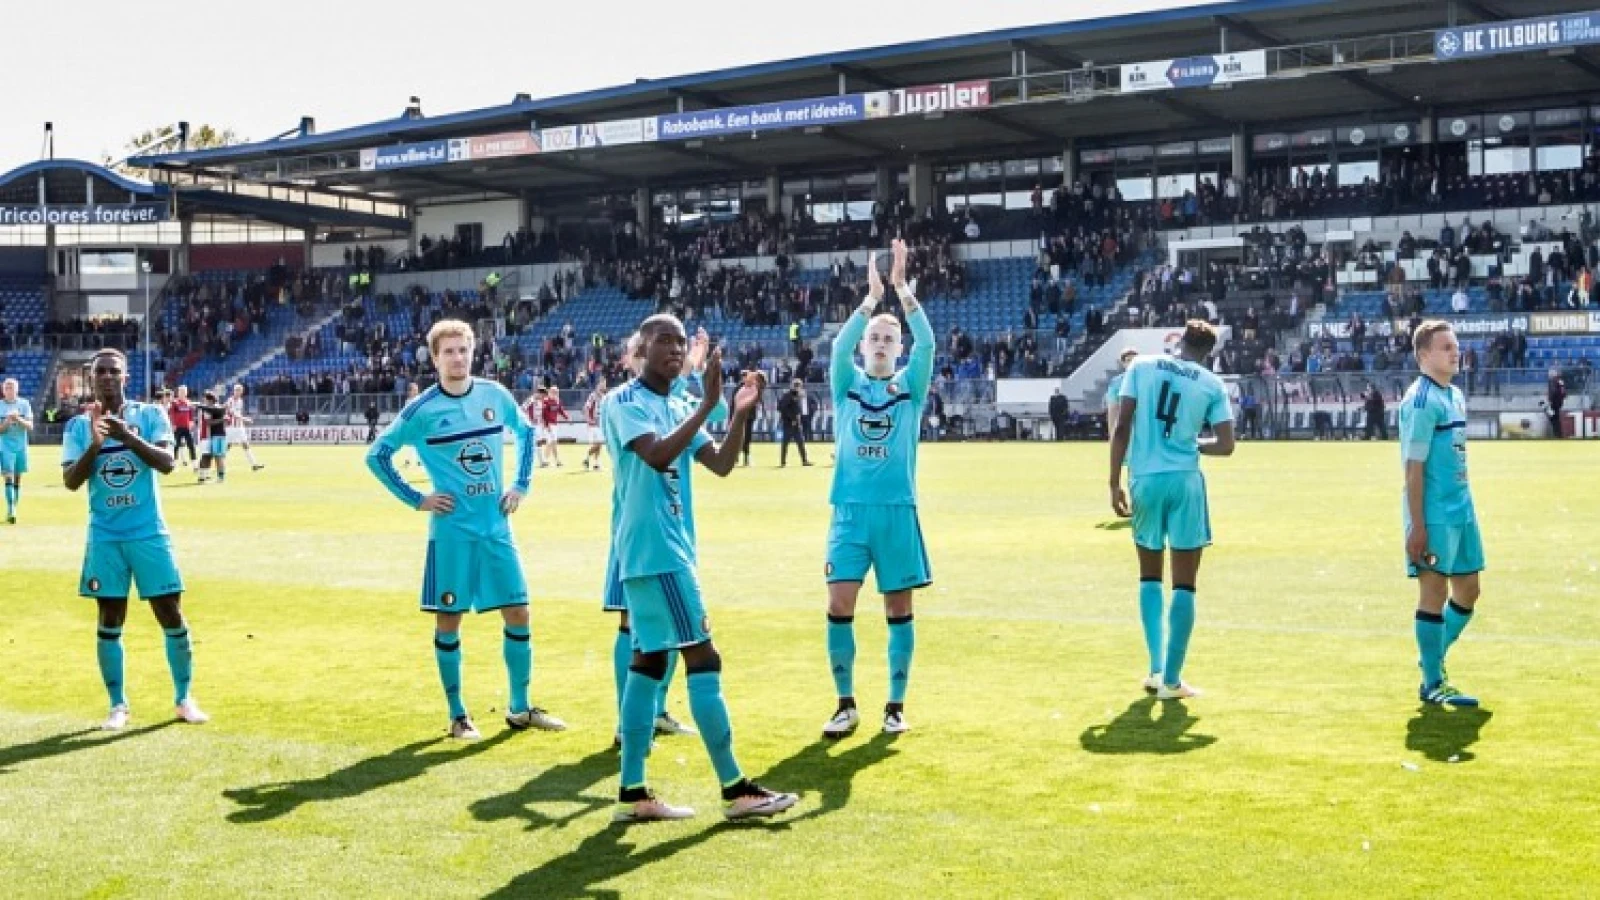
(564, 785)
(1115, 525)
(1440, 733)
(266, 802)
(822, 778)
(1134, 731)
(69, 742)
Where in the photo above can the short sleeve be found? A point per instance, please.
(1128, 389)
(628, 422)
(1221, 409)
(700, 439)
(74, 441)
(157, 427)
(1416, 431)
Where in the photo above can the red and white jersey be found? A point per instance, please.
(591, 410)
(235, 408)
(532, 408)
(553, 411)
(181, 413)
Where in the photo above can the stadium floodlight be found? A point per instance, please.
(144, 266)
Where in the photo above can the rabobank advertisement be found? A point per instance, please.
(763, 117)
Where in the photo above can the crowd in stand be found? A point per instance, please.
(87, 332)
(16, 335)
(1404, 185)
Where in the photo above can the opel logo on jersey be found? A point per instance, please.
(475, 458)
(118, 471)
(875, 426)
(488, 415)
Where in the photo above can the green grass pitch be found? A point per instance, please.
(1036, 767)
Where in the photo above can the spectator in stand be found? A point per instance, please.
(1555, 399)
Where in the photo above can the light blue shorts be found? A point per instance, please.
(218, 446)
(615, 600)
(14, 462)
(472, 576)
(111, 567)
(1456, 550)
(1170, 510)
(665, 611)
(885, 539)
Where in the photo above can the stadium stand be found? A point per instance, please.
(22, 322)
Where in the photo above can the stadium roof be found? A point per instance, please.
(1370, 92)
(66, 181)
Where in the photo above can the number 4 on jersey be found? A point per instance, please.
(1167, 407)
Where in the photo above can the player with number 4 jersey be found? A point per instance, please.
(1164, 405)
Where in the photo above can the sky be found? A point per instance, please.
(104, 71)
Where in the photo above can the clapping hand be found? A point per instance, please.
(897, 271)
(750, 391)
(98, 429)
(698, 347)
(115, 428)
(874, 280)
(712, 384)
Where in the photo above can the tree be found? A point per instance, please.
(164, 139)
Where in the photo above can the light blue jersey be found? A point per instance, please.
(14, 437)
(652, 512)
(879, 420)
(124, 503)
(1433, 431)
(460, 441)
(1176, 399)
(681, 388)
(612, 599)
(1114, 390)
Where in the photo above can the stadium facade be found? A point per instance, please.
(1153, 106)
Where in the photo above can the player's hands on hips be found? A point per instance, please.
(699, 345)
(441, 504)
(750, 391)
(897, 271)
(1417, 544)
(874, 280)
(510, 501)
(712, 383)
(1119, 501)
